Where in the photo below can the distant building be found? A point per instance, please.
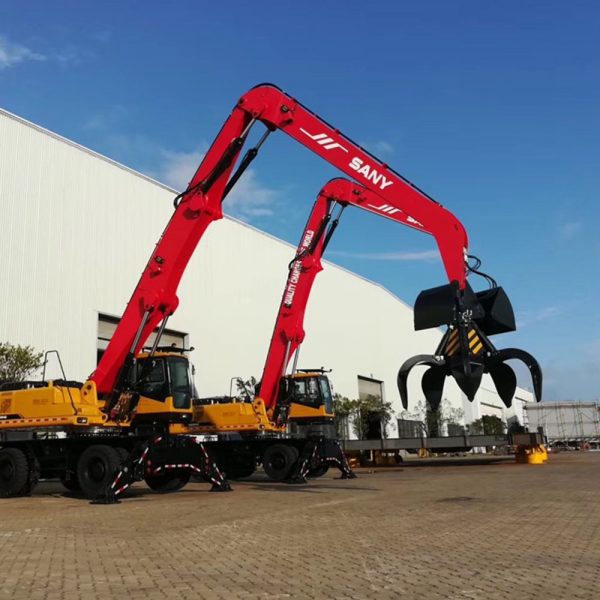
(566, 423)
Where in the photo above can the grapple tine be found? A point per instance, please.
(432, 385)
(465, 351)
(469, 382)
(505, 380)
(530, 362)
(402, 379)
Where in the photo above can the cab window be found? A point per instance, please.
(307, 391)
(153, 381)
(326, 394)
(181, 390)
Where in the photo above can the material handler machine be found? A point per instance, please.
(139, 403)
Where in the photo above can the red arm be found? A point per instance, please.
(289, 330)
(289, 325)
(279, 111)
(154, 299)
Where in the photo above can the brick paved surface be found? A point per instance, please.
(480, 532)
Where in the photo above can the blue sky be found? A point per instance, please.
(492, 108)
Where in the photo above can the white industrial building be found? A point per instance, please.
(78, 229)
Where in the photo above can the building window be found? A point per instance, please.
(107, 325)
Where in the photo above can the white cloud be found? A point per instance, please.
(102, 36)
(574, 381)
(72, 56)
(105, 119)
(179, 167)
(592, 351)
(547, 312)
(378, 148)
(570, 229)
(13, 54)
(425, 255)
(249, 198)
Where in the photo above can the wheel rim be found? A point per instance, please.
(97, 470)
(7, 471)
(278, 461)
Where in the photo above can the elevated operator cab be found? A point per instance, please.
(310, 404)
(311, 395)
(164, 383)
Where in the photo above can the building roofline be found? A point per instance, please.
(168, 188)
(82, 148)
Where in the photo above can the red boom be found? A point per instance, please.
(288, 333)
(154, 298)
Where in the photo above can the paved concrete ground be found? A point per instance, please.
(447, 531)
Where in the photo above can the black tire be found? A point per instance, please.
(239, 467)
(170, 481)
(279, 461)
(72, 483)
(318, 471)
(96, 468)
(123, 454)
(14, 473)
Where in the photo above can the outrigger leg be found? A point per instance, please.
(317, 453)
(159, 455)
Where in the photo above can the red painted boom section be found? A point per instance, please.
(289, 325)
(155, 292)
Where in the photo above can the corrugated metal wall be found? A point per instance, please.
(78, 230)
(566, 420)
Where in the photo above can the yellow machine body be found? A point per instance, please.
(50, 406)
(55, 404)
(253, 416)
(231, 417)
(300, 412)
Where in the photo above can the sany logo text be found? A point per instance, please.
(369, 173)
(357, 164)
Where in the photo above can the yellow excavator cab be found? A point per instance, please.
(312, 397)
(164, 383)
(307, 394)
(165, 386)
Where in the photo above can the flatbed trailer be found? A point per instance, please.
(456, 443)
